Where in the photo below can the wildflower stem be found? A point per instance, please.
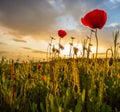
(71, 44)
(50, 47)
(88, 52)
(96, 42)
(47, 52)
(59, 46)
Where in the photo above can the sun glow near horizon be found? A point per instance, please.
(37, 49)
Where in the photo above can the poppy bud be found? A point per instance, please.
(61, 47)
(52, 37)
(71, 44)
(75, 50)
(57, 51)
(53, 49)
(72, 37)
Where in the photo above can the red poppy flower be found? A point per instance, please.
(39, 66)
(95, 19)
(62, 33)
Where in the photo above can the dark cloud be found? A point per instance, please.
(30, 17)
(37, 16)
(19, 40)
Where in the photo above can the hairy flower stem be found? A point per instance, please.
(89, 45)
(50, 47)
(59, 46)
(71, 44)
(96, 43)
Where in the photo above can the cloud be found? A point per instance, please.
(19, 40)
(66, 22)
(27, 48)
(113, 1)
(27, 17)
(114, 25)
(58, 5)
(1, 43)
(38, 17)
(3, 52)
(38, 51)
(34, 50)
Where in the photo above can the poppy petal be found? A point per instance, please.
(95, 19)
(62, 33)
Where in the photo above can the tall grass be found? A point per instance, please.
(64, 85)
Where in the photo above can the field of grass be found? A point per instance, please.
(63, 85)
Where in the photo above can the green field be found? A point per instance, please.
(62, 85)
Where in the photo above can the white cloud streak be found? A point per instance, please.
(113, 25)
(113, 1)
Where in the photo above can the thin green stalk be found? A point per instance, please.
(59, 46)
(71, 44)
(88, 50)
(70, 49)
(84, 47)
(96, 43)
(49, 49)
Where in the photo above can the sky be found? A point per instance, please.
(26, 25)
